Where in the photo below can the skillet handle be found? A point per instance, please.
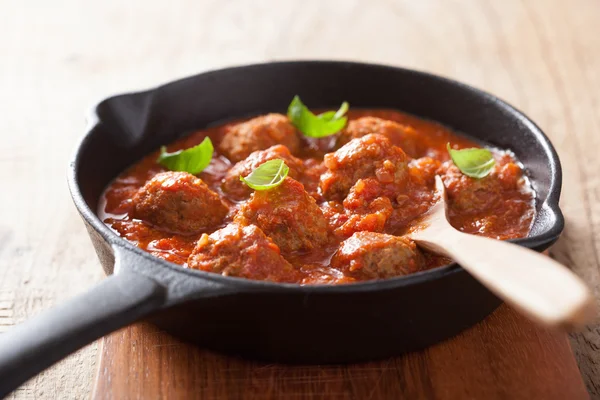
(33, 346)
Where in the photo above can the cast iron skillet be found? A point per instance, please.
(261, 320)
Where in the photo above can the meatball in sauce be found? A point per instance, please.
(178, 202)
(243, 252)
(339, 216)
(259, 133)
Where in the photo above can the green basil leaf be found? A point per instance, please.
(192, 160)
(316, 126)
(326, 116)
(343, 110)
(476, 163)
(267, 176)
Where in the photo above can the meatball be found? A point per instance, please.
(259, 133)
(403, 136)
(243, 252)
(237, 189)
(287, 214)
(409, 207)
(178, 202)
(366, 207)
(423, 171)
(363, 194)
(470, 195)
(369, 156)
(370, 255)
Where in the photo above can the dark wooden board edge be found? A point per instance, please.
(505, 356)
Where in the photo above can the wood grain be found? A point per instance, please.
(485, 362)
(59, 57)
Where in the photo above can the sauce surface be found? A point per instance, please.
(500, 205)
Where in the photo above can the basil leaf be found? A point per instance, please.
(476, 163)
(192, 160)
(316, 126)
(267, 176)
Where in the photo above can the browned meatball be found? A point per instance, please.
(367, 208)
(369, 156)
(471, 195)
(403, 136)
(243, 252)
(178, 202)
(423, 171)
(287, 214)
(259, 133)
(237, 189)
(370, 255)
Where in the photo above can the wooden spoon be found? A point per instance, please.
(541, 288)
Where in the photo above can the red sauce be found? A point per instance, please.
(500, 205)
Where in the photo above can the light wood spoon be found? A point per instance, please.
(536, 285)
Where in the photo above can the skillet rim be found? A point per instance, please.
(540, 241)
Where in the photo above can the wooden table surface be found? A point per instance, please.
(57, 58)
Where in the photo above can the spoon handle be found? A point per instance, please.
(538, 286)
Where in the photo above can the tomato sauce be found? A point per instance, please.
(499, 206)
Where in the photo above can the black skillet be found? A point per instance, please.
(261, 320)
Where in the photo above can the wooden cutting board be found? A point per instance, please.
(503, 357)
